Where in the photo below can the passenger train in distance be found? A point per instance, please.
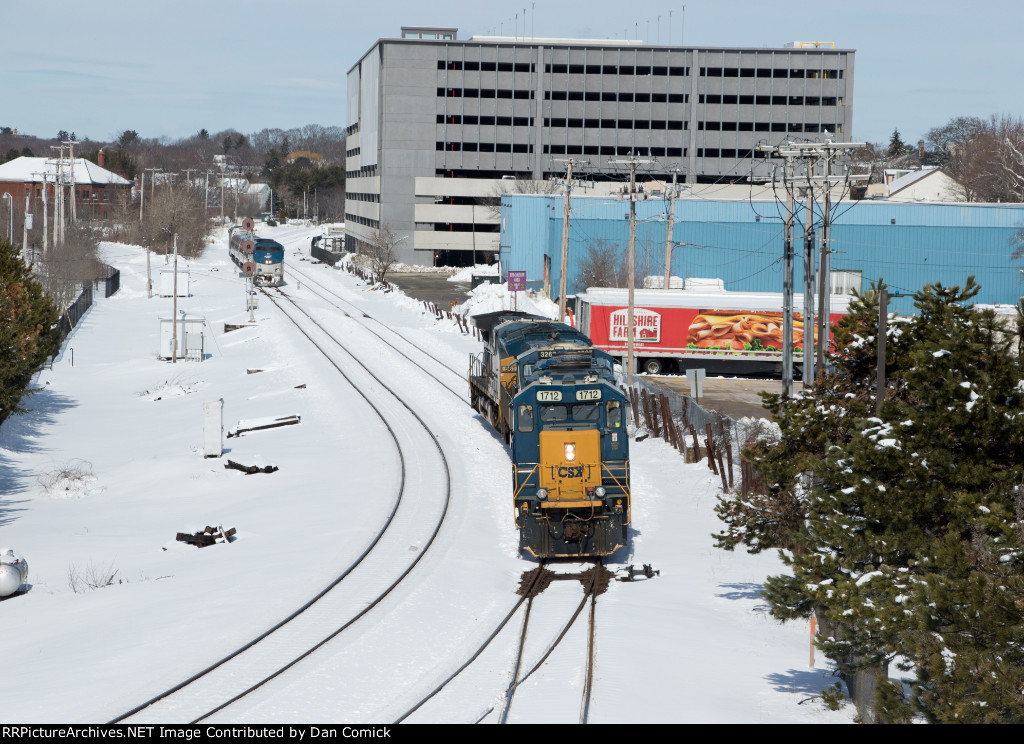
(545, 388)
(260, 258)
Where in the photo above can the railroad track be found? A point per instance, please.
(417, 515)
(553, 634)
(358, 314)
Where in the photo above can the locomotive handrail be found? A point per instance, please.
(515, 472)
(625, 466)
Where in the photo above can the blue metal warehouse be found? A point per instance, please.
(740, 242)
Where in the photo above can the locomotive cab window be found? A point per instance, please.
(524, 418)
(586, 412)
(614, 415)
(553, 414)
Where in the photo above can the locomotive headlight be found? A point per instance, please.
(570, 452)
(542, 493)
(600, 492)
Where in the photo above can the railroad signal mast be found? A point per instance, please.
(817, 161)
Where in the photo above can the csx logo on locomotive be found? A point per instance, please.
(570, 471)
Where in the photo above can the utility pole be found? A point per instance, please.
(810, 153)
(71, 150)
(787, 285)
(24, 227)
(152, 183)
(58, 200)
(824, 268)
(631, 262)
(45, 225)
(808, 355)
(883, 318)
(569, 163)
(142, 192)
(668, 229)
(787, 266)
(174, 331)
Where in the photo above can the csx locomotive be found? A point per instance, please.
(261, 258)
(552, 396)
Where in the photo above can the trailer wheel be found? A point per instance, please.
(653, 366)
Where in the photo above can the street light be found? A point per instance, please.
(10, 226)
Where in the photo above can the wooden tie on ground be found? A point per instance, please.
(249, 469)
(209, 536)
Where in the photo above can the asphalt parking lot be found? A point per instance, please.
(734, 397)
(430, 287)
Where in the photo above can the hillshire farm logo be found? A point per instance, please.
(646, 326)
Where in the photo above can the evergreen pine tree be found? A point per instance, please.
(913, 544)
(27, 322)
(897, 147)
(810, 424)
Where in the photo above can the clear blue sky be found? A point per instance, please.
(168, 68)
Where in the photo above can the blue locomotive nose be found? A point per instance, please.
(552, 395)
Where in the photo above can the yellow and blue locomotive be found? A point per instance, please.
(552, 395)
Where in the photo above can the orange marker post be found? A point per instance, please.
(812, 640)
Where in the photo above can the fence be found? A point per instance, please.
(110, 278)
(328, 257)
(71, 314)
(683, 423)
(696, 432)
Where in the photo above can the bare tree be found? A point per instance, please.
(603, 265)
(984, 156)
(382, 251)
(515, 185)
(331, 204)
(169, 211)
(69, 264)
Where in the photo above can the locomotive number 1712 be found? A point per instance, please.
(588, 395)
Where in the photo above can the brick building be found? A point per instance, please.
(95, 188)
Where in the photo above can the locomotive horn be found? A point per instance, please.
(248, 268)
(247, 223)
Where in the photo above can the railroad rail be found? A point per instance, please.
(309, 628)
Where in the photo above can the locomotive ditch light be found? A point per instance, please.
(600, 491)
(542, 493)
(570, 451)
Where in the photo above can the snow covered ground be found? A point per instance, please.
(97, 480)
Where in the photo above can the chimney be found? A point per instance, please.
(100, 158)
(920, 149)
